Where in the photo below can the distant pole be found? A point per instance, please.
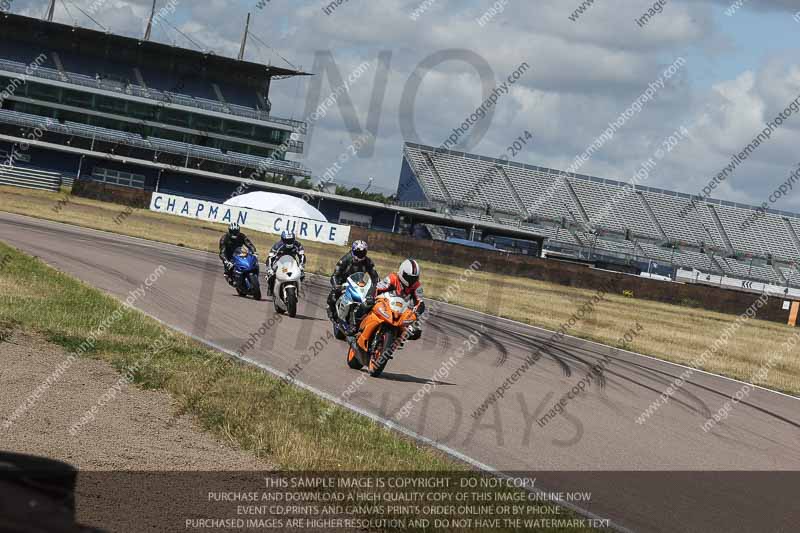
(244, 38)
(149, 29)
(50, 10)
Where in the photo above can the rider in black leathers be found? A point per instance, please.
(228, 244)
(355, 261)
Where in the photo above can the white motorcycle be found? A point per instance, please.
(288, 279)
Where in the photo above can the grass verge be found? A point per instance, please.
(237, 402)
(251, 409)
(672, 333)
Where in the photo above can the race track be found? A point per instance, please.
(592, 442)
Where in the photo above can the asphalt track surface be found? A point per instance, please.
(664, 475)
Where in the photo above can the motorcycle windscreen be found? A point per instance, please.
(287, 269)
(359, 286)
(243, 259)
(398, 305)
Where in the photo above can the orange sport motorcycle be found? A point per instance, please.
(382, 332)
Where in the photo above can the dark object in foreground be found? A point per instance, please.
(37, 494)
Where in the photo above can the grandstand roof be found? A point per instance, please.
(108, 46)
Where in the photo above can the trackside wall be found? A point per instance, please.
(573, 275)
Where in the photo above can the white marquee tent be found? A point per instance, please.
(277, 203)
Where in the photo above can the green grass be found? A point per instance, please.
(241, 403)
(253, 410)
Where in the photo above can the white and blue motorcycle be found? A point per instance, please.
(357, 290)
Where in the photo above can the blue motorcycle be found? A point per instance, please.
(244, 277)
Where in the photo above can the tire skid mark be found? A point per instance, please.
(486, 338)
(484, 341)
(442, 335)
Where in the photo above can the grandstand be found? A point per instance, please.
(107, 105)
(604, 220)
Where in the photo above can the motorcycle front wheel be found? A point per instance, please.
(291, 301)
(381, 351)
(256, 286)
(337, 332)
(352, 359)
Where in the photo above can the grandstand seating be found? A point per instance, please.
(153, 143)
(469, 190)
(763, 235)
(595, 197)
(151, 93)
(425, 176)
(792, 275)
(533, 184)
(29, 178)
(708, 237)
(191, 120)
(436, 232)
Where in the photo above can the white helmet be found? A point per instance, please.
(409, 272)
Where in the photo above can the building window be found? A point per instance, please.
(118, 177)
(355, 219)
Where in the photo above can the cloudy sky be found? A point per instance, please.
(740, 71)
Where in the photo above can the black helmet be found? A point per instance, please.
(233, 229)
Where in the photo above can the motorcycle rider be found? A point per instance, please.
(354, 261)
(288, 245)
(405, 283)
(228, 244)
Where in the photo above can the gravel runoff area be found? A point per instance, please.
(136, 431)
